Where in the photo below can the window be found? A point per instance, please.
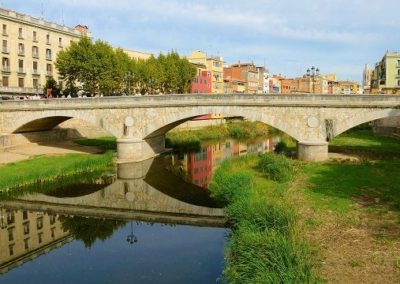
(35, 51)
(5, 62)
(11, 249)
(21, 49)
(10, 215)
(39, 221)
(398, 83)
(53, 234)
(48, 38)
(21, 67)
(34, 36)
(26, 224)
(48, 53)
(52, 219)
(40, 238)
(21, 85)
(35, 67)
(26, 243)
(10, 234)
(20, 33)
(60, 42)
(35, 84)
(5, 49)
(4, 29)
(398, 72)
(4, 82)
(49, 69)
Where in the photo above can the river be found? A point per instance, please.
(150, 222)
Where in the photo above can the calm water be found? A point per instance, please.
(152, 225)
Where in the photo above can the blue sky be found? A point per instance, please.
(337, 36)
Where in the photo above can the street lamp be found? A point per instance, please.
(313, 73)
(131, 238)
(129, 75)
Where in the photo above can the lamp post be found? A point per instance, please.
(131, 238)
(129, 75)
(313, 73)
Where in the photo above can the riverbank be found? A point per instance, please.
(239, 130)
(37, 164)
(347, 211)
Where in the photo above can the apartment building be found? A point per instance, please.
(244, 75)
(215, 65)
(24, 235)
(29, 50)
(386, 75)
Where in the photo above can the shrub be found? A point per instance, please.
(227, 187)
(276, 167)
(280, 147)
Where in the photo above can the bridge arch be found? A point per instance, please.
(47, 120)
(364, 117)
(161, 125)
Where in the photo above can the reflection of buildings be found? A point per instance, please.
(25, 235)
(197, 167)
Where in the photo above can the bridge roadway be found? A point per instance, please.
(140, 123)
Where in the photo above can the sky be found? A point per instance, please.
(337, 36)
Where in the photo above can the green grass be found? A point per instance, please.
(337, 185)
(191, 139)
(264, 246)
(47, 168)
(105, 143)
(365, 141)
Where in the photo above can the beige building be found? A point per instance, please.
(24, 235)
(137, 54)
(214, 64)
(29, 50)
(386, 75)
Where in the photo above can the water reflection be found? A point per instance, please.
(144, 208)
(197, 166)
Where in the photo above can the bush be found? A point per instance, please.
(261, 215)
(269, 257)
(276, 167)
(280, 147)
(228, 187)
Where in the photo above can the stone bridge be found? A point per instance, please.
(124, 199)
(140, 123)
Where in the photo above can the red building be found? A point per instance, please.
(200, 167)
(201, 83)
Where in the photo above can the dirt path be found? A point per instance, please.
(24, 152)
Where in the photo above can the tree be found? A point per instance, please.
(52, 87)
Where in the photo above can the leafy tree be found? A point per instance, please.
(51, 85)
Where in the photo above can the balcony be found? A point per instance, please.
(35, 55)
(21, 70)
(5, 50)
(21, 52)
(35, 72)
(49, 73)
(6, 68)
(48, 57)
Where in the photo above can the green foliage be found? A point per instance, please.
(266, 257)
(105, 143)
(21, 174)
(276, 167)
(88, 230)
(102, 70)
(226, 188)
(263, 245)
(280, 147)
(52, 84)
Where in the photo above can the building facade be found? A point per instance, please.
(215, 65)
(386, 75)
(29, 50)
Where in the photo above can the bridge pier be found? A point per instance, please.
(135, 150)
(312, 151)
